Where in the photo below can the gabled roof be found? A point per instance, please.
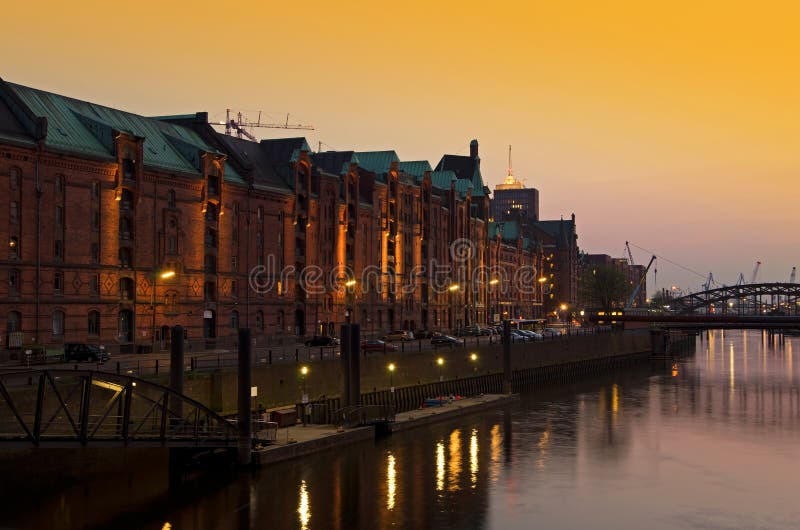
(465, 168)
(378, 162)
(88, 129)
(284, 150)
(416, 168)
(334, 162)
(508, 231)
(442, 179)
(11, 129)
(252, 158)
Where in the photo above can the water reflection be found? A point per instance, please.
(713, 445)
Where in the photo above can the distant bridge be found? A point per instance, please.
(748, 299)
(69, 408)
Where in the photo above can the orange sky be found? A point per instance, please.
(675, 127)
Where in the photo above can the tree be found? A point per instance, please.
(605, 287)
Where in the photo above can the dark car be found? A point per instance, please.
(377, 345)
(84, 352)
(322, 340)
(444, 340)
(423, 334)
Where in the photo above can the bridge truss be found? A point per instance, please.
(747, 299)
(66, 408)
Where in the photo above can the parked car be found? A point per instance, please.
(377, 345)
(322, 340)
(399, 334)
(485, 332)
(518, 336)
(532, 335)
(551, 332)
(444, 340)
(84, 352)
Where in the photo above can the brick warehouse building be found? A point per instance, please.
(167, 218)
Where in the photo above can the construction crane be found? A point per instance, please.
(641, 282)
(793, 275)
(630, 254)
(709, 282)
(755, 272)
(240, 125)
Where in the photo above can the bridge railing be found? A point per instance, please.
(62, 407)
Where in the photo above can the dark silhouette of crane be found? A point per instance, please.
(240, 125)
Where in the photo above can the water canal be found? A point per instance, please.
(711, 445)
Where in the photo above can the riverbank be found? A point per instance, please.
(296, 441)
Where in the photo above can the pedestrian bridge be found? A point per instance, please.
(747, 299)
(71, 408)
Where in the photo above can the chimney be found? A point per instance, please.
(473, 149)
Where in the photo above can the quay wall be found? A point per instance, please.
(281, 384)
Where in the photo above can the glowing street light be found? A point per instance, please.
(473, 357)
(391, 369)
(453, 287)
(494, 281)
(349, 283)
(440, 362)
(167, 274)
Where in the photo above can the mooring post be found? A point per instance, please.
(245, 384)
(506, 357)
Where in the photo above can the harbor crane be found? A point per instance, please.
(630, 254)
(755, 272)
(641, 282)
(793, 275)
(240, 125)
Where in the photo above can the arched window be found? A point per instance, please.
(171, 199)
(93, 327)
(211, 212)
(126, 202)
(14, 322)
(210, 263)
(210, 325)
(210, 291)
(58, 323)
(125, 257)
(126, 289)
(13, 282)
(125, 325)
(234, 320)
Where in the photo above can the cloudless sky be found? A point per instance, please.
(674, 125)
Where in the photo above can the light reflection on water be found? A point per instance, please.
(715, 446)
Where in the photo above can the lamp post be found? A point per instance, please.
(391, 369)
(348, 310)
(453, 288)
(473, 357)
(440, 362)
(165, 275)
(494, 298)
(304, 399)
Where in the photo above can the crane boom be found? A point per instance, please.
(641, 282)
(630, 254)
(240, 125)
(755, 272)
(793, 275)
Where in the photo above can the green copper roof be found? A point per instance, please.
(88, 129)
(442, 179)
(509, 230)
(377, 161)
(416, 168)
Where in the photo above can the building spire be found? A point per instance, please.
(510, 182)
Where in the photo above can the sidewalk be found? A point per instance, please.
(295, 441)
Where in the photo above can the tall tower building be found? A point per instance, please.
(513, 201)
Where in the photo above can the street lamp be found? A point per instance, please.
(304, 399)
(474, 358)
(440, 362)
(391, 369)
(493, 299)
(165, 275)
